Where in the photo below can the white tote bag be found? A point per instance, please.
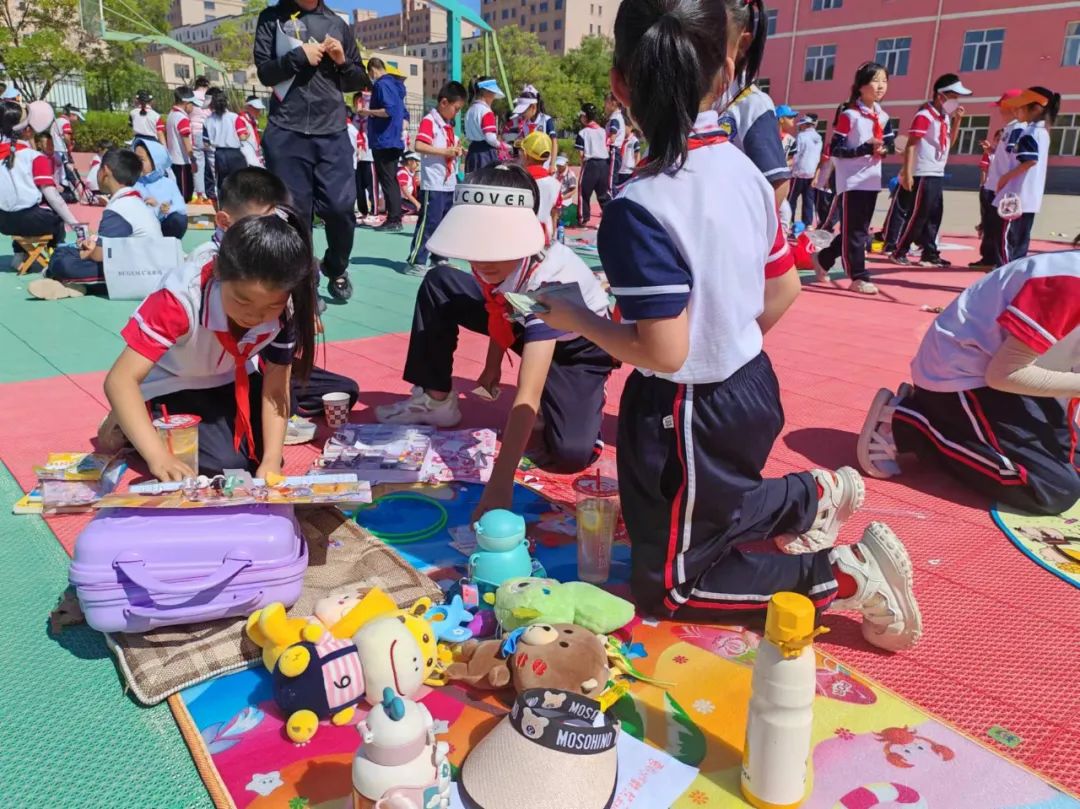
(134, 265)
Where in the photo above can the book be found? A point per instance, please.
(29, 503)
(84, 466)
(467, 456)
(384, 453)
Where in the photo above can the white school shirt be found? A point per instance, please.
(177, 127)
(630, 152)
(592, 142)
(541, 122)
(92, 174)
(929, 128)
(561, 265)
(855, 129)
(616, 131)
(20, 185)
(354, 137)
(223, 131)
(146, 125)
(1000, 159)
(807, 154)
(437, 173)
(666, 247)
(175, 327)
(1036, 300)
(1030, 144)
(480, 123)
(128, 204)
(60, 127)
(750, 123)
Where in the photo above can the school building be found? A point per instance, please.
(560, 25)
(815, 47)
(418, 23)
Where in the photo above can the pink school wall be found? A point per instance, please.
(1032, 53)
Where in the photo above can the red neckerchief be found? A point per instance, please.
(943, 135)
(5, 148)
(126, 192)
(240, 356)
(870, 114)
(361, 138)
(499, 327)
(697, 140)
(539, 173)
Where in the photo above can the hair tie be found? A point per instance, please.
(280, 213)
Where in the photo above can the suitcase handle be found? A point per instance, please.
(133, 566)
(193, 614)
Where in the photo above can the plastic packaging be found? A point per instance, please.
(180, 434)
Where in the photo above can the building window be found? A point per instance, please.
(974, 129)
(1072, 46)
(558, 25)
(557, 45)
(764, 85)
(772, 15)
(1065, 136)
(982, 49)
(558, 5)
(543, 7)
(208, 5)
(181, 71)
(543, 27)
(505, 13)
(413, 70)
(894, 54)
(820, 61)
(822, 5)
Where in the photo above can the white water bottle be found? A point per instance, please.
(781, 716)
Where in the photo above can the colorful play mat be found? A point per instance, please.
(1052, 543)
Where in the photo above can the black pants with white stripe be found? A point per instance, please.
(924, 221)
(1018, 237)
(690, 460)
(1015, 449)
(366, 188)
(896, 220)
(856, 211)
(572, 403)
(595, 177)
(987, 254)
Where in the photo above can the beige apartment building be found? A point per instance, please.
(560, 25)
(436, 72)
(418, 23)
(190, 12)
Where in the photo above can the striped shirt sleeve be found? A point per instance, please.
(920, 125)
(183, 126)
(781, 259)
(160, 124)
(488, 123)
(42, 169)
(282, 348)
(156, 325)
(1027, 149)
(426, 133)
(649, 277)
(763, 146)
(1044, 311)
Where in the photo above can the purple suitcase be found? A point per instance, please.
(138, 569)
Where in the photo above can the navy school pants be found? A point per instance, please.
(367, 184)
(311, 168)
(434, 205)
(1017, 237)
(988, 250)
(924, 218)
(690, 460)
(573, 399)
(36, 220)
(896, 220)
(802, 188)
(66, 265)
(1012, 448)
(595, 177)
(856, 211)
(480, 154)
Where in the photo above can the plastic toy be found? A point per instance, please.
(524, 601)
(400, 765)
(504, 550)
(453, 623)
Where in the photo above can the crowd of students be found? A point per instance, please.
(230, 336)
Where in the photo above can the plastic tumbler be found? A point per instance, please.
(336, 408)
(180, 434)
(597, 516)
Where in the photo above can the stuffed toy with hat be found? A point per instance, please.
(523, 601)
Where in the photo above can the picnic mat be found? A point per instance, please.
(341, 555)
(1050, 542)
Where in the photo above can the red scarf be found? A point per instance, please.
(871, 115)
(697, 140)
(943, 126)
(500, 328)
(243, 391)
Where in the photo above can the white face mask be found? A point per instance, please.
(950, 106)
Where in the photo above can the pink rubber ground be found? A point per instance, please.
(1001, 644)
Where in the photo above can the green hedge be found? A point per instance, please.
(566, 147)
(113, 126)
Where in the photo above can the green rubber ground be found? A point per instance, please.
(71, 738)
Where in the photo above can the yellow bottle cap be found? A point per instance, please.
(789, 623)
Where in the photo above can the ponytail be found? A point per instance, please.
(749, 16)
(219, 104)
(11, 113)
(276, 250)
(669, 52)
(1052, 108)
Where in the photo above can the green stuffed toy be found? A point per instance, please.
(525, 601)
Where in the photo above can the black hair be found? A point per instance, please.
(276, 250)
(453, 91)
(219, 102)
(201, 82)
(506, 175)
(669, 53)
(749, 16)
(140, 143)
(474, 86)
(863, 76)
(103, 145)
(251, 186)
(590, 112)
(377, 63)
(357, 96)
(123, 164)
(945, 80)
(537, 99)
(839, 111)
(143, 97)
(11, 112)
(182, 92)
(1052, 107)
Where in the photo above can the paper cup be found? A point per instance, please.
(336, 408)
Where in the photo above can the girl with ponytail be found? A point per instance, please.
(225, 132)
(1036, 108)
(146, 123)
(26, 177)
(220, 340)
(698, 281)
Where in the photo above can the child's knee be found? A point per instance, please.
(566, 458)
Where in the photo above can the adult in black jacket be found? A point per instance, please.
(308, 55)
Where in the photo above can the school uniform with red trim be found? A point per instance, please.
(438, 179)
(367, 182)
(595, 170)
(201, 368)
(931, 130)
(858, 182)
(1017, 449)
(482, 132)
(146, 123)
(23, 211)
(1028, 143)
(692, 443)
(222, 134)
(177, 128)
(992, 246)
(408, 183)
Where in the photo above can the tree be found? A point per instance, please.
(238, 37)
(114, 77)
(589, 66)
(42, 42)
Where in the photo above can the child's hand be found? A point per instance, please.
(907, 181)
(165, 207)
(268, 469)
(564, 314)
(495, 495)
(170, 468)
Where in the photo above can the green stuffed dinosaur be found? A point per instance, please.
(526, 601)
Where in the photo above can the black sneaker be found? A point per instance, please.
(389, 227)
(938, 261)
(902, 261)
(340, 288)
(985, 266)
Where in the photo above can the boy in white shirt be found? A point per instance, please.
(804, 167)
(178, 141)
(409, 183)
(631, 153)
(439, 151)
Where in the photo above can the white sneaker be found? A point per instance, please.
(843, 493)
(863, 288)
(421, 409)
(877, 448)
(885, 593)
